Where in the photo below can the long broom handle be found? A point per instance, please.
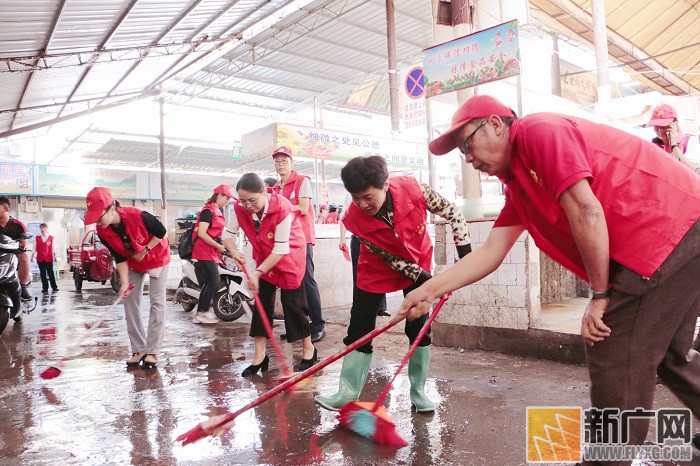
(96, 324)
(268, 328)
(310, 371)
(411, 350)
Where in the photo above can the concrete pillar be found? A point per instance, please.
(600, 40)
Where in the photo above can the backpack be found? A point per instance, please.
(184, 247)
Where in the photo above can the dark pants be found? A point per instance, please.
(311, 288)
(46, 270)
(652, 323)
(210, 269)
(355, 256)
(363, 318)
(294, 307)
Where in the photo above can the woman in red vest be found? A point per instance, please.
(207, 248)
(389, 218)
(140, 247)
(45, 257)
(279, 251)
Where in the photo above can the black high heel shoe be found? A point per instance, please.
(254, 368)
(306, 363)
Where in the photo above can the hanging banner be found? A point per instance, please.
(478, 58)
(15, 178)
(67, 181)
(330, 145)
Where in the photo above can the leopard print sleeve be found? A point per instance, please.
(438, 205)
(406, 268)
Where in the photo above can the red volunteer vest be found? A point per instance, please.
(202, 251)
(650, 202)
(289, 271)
(408, 239)
(140, 237)
(44, 251)
(682, 143)
(290, 190)
(331, 218)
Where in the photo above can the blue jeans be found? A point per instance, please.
(312, 297)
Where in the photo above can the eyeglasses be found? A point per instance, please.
(105, 212)
(464, 145)
(281, 160)
(249, 202)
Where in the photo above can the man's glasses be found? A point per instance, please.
(464, 145)
(105, 212)
(248, 202)
(281, 161)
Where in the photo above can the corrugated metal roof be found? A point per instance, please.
(334, 52)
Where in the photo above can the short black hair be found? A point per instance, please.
(251, 182)
(332, 209)
(362, 173)
(270, 181)
(5, 201)
(43, 225)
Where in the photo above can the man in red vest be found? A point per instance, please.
(684, 147)
(603, 204)
(389, 217)
(45, 257)
(297, 188)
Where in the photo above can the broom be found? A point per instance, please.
(54, 371)
(223, 422)
(286, 371)
(370, 419)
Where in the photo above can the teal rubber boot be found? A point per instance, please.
(417, 374)
(353, 376)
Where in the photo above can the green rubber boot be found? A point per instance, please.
(417, 374)
(353, 376)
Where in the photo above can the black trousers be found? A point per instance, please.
(210, 269)
(363, 318)
(313, 298)
(355, 256)
(46, 270)
(294, 307)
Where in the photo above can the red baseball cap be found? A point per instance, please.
(97, 200)
(283, 151)
(479, 106)
(663, 115)
(225, 190)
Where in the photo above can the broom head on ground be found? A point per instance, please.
(371, 421)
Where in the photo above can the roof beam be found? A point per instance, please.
(321, 60)
(44, 49)
(217, 99)
(416, 18)
(583, 17)
(107, 38)
(380, 33)
(248, 91)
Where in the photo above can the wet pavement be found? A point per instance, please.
(98, 412)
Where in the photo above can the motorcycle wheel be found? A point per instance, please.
(228, 308)
(115, 281)
(4, 317)
(78, 280)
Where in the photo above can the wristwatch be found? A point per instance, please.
(148, 249)
(262, 272)
(673, 146)
(601, 294)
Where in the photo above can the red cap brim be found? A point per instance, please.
(91, 216)
(446, 142)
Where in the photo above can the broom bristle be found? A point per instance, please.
(192, 435)
(50, 373)
(376, 425)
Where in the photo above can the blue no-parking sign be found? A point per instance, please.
(414, 83)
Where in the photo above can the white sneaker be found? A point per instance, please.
(205, 318)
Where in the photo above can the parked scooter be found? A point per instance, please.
(10, 302)
(232, 300)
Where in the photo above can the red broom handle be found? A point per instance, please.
(411, 350)
(268, 328)
(312, 370)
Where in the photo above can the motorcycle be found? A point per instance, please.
(231, 301)
(10, 299)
